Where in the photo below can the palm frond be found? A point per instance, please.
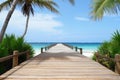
(103, 6)
(72, 1)
(49, 4)
(5, 4)
(27, 8)
(20, 3)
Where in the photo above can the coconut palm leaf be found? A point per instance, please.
(27, 9)
(49, 4)
(100, 7)
(72, 1)
(5, 4)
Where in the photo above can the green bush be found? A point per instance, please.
(104, 48)
(8, 45)
(109, 49)
(115, 44)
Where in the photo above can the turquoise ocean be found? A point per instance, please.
(88, 48)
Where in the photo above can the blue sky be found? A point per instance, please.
(72, 25)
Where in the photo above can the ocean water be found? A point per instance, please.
(88, 48)
(37, 47)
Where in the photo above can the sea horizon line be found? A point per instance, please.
(70, 42)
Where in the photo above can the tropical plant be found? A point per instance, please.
(8, 45)
(100, 7)
(104, 48)
(11, 43)
(4, 27)
(27, 9)
(115, 44)
(109, 50)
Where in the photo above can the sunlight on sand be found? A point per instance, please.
(87, 53)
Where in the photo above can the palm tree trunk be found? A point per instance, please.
(4, 27)
(26, 28)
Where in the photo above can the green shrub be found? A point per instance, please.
(109, 49)
(115, 44)
(104, 48)
(8, 45)
(94, 57)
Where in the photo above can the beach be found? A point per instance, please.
(88, 48)
(86, 53)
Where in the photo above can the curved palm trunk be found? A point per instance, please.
(4, 27)
(26, 28)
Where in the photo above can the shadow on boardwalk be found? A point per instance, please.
(57, 56)
(17, 68)
(60, 63)
(43, 57)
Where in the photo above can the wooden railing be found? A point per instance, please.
(76, 48)
(47, 47)
(15, 56)
(116, 60)
(68, 45)
(80, 50)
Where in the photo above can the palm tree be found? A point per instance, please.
(27, 9)
(7, 19)
(100, 7)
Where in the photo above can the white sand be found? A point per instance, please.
(60, 48)
(87, 53)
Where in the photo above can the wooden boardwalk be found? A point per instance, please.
(60, 63)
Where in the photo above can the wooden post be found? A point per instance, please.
(15, 58)
(28, 54)
(45, 48)
(41, 50)
(81, 51)
(72, 47)
(75, 48)
(96, 55)
(117, 65)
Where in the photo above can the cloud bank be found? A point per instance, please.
(81, 19)
(39, 22)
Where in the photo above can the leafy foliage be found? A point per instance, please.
(109, 49)
(104, 48)
(8, 45)
(115, 44)
(100, 7)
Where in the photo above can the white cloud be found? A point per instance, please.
(81, 19)
(37, 23)
(44, 22)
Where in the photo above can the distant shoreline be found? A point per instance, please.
(68, 42)
(88, 48)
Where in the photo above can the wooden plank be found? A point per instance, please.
(59, 64)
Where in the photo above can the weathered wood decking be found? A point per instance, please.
(60, 63)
